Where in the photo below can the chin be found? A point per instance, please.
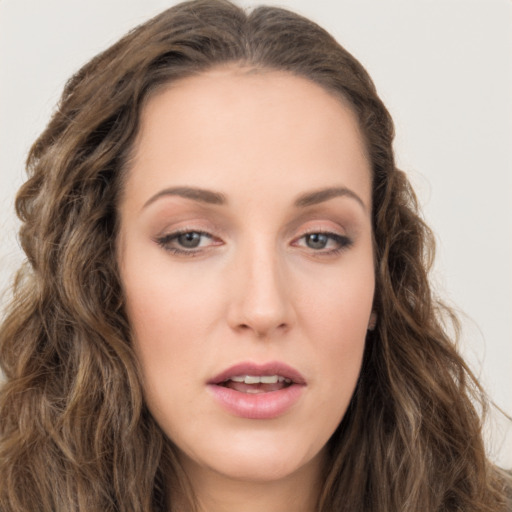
(263, 456)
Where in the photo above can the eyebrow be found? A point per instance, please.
(196, 194)
(217, 198)
(324, 194)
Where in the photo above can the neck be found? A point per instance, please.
(215, 492)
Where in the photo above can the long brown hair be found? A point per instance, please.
(75, 434)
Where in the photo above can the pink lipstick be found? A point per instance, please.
(257, 391)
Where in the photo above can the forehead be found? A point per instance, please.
(230, 126)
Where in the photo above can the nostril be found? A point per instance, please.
(262, 331)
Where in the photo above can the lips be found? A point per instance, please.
(255, 391)
(257, 370)
(257, 384)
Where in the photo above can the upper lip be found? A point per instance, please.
(250, 368)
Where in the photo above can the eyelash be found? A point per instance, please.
(342, 241)
(166, 240)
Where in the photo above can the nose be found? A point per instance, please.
(260, 300)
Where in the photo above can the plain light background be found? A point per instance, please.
(444, 70)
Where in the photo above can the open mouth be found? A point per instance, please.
(256, 384)
(258, 391)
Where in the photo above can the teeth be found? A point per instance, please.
(269, 379)
(249, 379)
(260, 379)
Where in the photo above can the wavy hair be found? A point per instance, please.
(75, 434)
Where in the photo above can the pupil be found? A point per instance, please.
(317, 241)
(189, 240)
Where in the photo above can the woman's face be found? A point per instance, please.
(245, 252)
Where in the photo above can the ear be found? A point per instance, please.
(373, 321)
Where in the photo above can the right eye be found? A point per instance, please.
(189, 240)
(186, 242)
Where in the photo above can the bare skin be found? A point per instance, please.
(245, 239)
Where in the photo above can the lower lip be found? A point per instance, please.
(258, 406)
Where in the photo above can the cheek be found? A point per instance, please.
(168, 336)
(335, 316)
(164, 311)
(338, 301)
(162, 307)
(163, 297)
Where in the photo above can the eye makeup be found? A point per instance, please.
(187, 242)
(191, 230)
(324, 242)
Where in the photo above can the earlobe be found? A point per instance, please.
(373, 321)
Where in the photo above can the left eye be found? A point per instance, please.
(325, 242)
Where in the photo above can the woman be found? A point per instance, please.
(226, 301)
